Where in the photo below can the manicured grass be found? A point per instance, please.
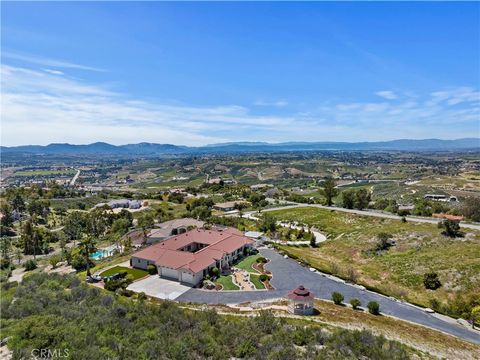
(246, 264)
(227, 283)
(103, 263)
(399, 271)
(136, 273)
(255, 279)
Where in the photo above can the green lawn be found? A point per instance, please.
(227, 283)
(399, 272)
(136, 273)
(255, 279)
(246, 264)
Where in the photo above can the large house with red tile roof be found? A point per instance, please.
(190, 256)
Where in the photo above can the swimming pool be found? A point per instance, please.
(105, 252)
(97, 255)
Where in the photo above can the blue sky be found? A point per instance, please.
(198, 73)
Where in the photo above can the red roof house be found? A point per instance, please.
(188, 257)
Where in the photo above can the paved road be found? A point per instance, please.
(367, 213)
(319, 237)
(74, 179)
(288, 274)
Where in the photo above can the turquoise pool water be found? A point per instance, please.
(97, 255)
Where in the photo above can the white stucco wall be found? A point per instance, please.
(141, 263)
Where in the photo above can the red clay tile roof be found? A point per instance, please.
(300, 293)
(219, 243)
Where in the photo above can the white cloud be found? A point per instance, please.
(40, 107)
(387, 94)
(54, 72)
(32, 59)
(278, 103)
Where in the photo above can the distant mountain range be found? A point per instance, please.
(151, 149)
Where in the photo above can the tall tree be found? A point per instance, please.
(87, 246)
(18, 203)
(74, 225)
(348, 199)
(7, 216)
(5, 247)
(329, 190)
(26, 237)
(362, 198)
(146, 221)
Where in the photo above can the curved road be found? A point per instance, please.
(292, 205)
(288, 274)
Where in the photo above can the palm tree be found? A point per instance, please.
(87, 246)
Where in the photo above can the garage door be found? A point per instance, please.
(170, 273)
(187, 278)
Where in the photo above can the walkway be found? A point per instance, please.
(288, 274)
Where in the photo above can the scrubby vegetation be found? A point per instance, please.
(56, 312)
(392, 257)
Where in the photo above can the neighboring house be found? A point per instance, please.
(257, 236)
(227, 206)
(440, 197)
(272, 192)
(136, 236)
(406, 207)
(254, 234)
(260, 186)
(172, 227)
(123, 203)
(219, 180)
(135, 204)
(190, 256)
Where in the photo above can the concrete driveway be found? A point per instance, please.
(160, 288)
(288, 274)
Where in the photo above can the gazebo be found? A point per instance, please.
(301, 301)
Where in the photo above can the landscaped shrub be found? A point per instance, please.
(261, 259)
(355, 303)
(337, 297)
(79, 262)
(263, 278)
(113, 285)
(431, 281)
(373, 308)
(215, 272)
(152, 269)
(30, 265)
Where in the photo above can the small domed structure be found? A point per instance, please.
(301, 301)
